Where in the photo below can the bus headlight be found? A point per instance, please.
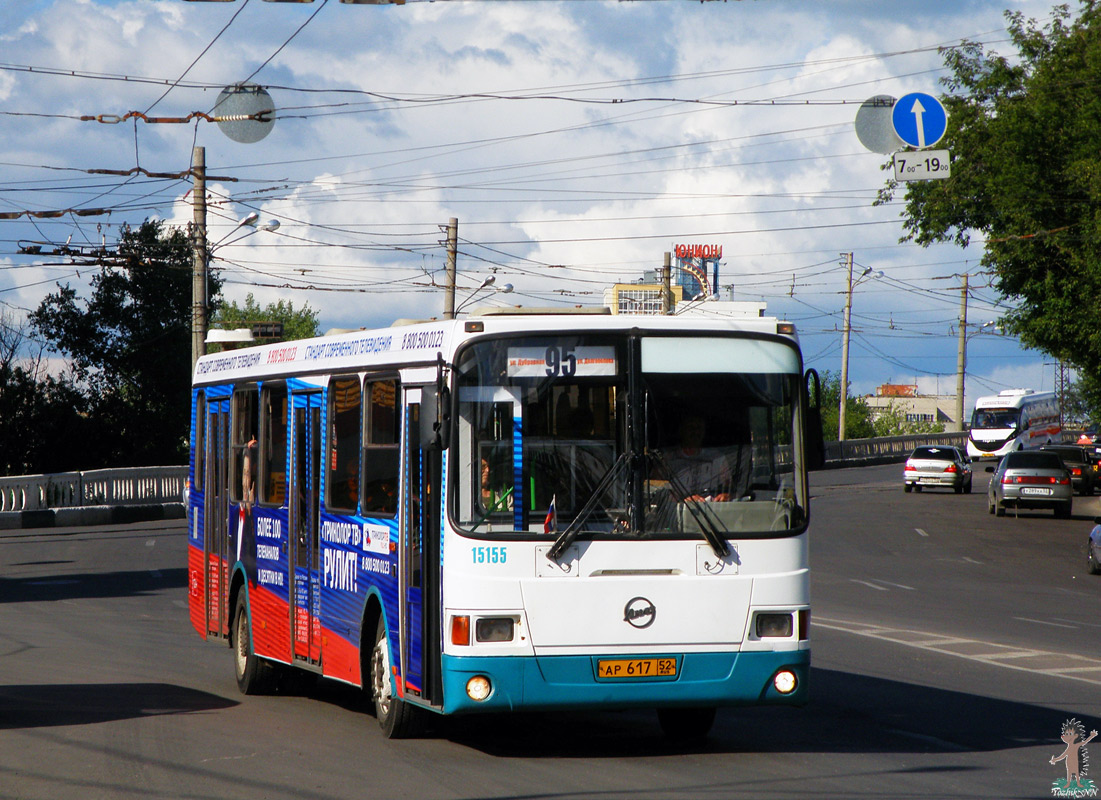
(478, 688)
(785, 681)
(774, 626)
(493, 629)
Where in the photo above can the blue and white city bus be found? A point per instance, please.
(510, 511)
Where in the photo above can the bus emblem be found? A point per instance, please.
(639, 612)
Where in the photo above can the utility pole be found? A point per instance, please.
(961, 356)
(845, 350)
(452, 258)
(666, 292)
(198, 257)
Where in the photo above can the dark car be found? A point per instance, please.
(1030, 479)
(1079, 464)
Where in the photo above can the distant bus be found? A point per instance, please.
(488, 514)
(1014, 419)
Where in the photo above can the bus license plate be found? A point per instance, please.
(1035, 491)
(637, 668)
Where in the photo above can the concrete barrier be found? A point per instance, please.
(94, 497)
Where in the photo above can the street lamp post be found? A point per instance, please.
(846, 329)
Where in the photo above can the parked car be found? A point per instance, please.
(1030, 479)
(937, 466)
(1093, 548)
(1078, 463)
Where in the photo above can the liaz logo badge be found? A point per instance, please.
(639, 612)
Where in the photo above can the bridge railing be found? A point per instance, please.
(854, 452)
(125, 486)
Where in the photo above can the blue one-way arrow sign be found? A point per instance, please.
(919, 119)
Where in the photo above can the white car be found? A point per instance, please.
(940, 466)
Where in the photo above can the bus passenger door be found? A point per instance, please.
(305, 606)
(216, 519)
(419, 561)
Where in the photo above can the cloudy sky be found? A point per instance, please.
(575, 142)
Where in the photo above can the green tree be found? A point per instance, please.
(858, 417)
(33, 400)
(129, 347)
(1026, 178)
(297, 323)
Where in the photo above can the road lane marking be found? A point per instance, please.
(1040, 662)
(1043, 622)
(882, 585)
(921, 532)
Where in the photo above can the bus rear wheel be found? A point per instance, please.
(398, 719)
(686, 724)
(254, 675)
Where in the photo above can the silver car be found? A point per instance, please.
(1030, 479)
(937, 466)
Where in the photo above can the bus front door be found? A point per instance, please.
(216, 519)
(419, 566)
(305, 606)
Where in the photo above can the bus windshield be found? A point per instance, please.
(995, 418)
(610, 435)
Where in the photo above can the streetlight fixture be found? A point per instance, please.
(865, 275)
(200, 288)
(489, 281)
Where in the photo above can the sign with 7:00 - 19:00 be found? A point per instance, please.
(922, 165)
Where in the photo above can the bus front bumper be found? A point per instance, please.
(572, 682)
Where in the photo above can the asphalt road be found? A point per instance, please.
(950, 647)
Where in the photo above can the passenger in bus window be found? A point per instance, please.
(496, 494)
(248, 472)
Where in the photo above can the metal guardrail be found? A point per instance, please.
(886, 448)
(128, 486)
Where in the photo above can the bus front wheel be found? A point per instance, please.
(686, 724)
(254, 675)
(398, 719)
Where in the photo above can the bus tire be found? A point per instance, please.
(398, 719)
(686, 724)
(254, 674)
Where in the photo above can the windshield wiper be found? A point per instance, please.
(573, 530)
(500, 504)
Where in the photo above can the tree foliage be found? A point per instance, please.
(32, 400)
(297, 323)
(129, 347)
(1026, 178)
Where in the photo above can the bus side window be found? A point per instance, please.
(345, 415)
(199, 448)
(381, 453)
(272, 483)
(244, 430)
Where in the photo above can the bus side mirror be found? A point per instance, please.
(435, 418)
(812, 427)
(435, 414)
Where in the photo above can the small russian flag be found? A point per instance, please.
(550, 524)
